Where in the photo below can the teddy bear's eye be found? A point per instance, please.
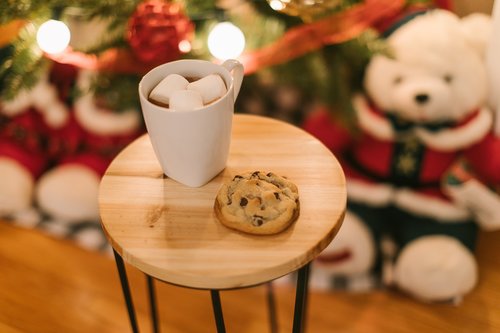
(398, 80)
(447, 78)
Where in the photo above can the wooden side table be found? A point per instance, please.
(169, 231)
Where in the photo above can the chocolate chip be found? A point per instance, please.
(276, 195)
(243, 202)
(237, 177)
(257, 220)
(269, 174)
(256, 174)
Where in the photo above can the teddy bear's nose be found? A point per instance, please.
(421, 98)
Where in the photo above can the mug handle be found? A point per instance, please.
(237, 67)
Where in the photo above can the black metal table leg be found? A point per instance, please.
(152, 304)
(219, 318)
(271, 302)
(301, 299)
(126, 291)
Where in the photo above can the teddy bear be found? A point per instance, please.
(25, 123)
(423, 108)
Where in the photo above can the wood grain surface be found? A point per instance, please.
(170, 232)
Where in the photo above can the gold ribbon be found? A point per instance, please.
(9, 31)
(114, 60)
(294, 43)
(334, 29)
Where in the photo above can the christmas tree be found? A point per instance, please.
(66, 110)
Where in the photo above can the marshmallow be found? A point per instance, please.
(163, 91)
(210, 87)
(185, 100)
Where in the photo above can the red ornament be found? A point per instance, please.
(155, 30)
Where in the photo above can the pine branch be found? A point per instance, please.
(23, 66)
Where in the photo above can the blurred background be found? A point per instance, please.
(69, 71)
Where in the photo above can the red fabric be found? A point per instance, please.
(484, 157)
(95, 162)
(22, 138)
(35, 163)
(376, 156)
(444, 4)
(75, 144)
(334, 136)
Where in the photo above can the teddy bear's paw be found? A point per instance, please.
(69, 192)
(435, 269)
(352, 252)
(16, 191)
(482, 201)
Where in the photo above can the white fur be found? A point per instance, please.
(477, 28)
(98, 120)
(481, 200)
(44, 97)
(436, 268)
(69, 192)
(16, 189)
(423, 205)
(380, 194)
(353, 236)
(377, 126)
(454, 139)
(373, 194)
(428, 50)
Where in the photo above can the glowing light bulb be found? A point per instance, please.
(277, 5)
(53, 36)
(226, 41)
(184, 46)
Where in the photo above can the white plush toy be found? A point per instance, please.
(53, 153)
(69, 190)
(22, 159)
(422, 110)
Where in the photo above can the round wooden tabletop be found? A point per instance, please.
(170, 231)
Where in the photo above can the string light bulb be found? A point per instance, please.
(184, 46)
(53, 36)
(226, 41)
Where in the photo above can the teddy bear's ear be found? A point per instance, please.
(477, 29)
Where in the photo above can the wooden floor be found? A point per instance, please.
(49, 285)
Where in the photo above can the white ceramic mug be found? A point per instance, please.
(192, 146)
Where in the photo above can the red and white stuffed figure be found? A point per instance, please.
(54, 148)
(423, 109)
(26, 123)
(85, 146)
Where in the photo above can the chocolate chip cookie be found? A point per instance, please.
(258, 203)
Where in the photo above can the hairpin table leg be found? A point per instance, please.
(219, 318)
(272, 308)
(126, 291)
(301, 299)
(152, 304)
